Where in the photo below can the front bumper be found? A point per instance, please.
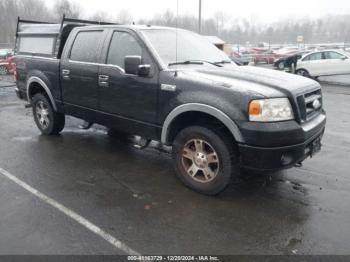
(270, 156)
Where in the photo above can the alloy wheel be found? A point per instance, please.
(281, 66)
(200, 160)
(42, 114)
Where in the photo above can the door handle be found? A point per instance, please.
(65, 74)
(103, 77)
(103, 80)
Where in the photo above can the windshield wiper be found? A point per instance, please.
(222, 62)
(196, 62)
(187, 62)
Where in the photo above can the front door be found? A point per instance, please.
(315, 63)
(129, 100)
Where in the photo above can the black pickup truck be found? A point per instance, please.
(172, 86)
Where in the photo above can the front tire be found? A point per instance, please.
(204, 159)
(47, 120)
(303, 72)
(280, 65)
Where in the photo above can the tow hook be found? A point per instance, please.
(299, 164)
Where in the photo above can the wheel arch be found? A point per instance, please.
(34, 83)
(213, 112)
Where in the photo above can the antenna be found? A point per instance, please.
(177, 25)
(200, 17)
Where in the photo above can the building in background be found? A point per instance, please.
(219, 43)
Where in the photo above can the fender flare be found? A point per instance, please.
(225, 119)
(35, 79)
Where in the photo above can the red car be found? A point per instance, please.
(7, 64)
(267, 57)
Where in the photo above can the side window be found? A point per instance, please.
(306, 58)
(333, 55)
(313, 57)
(85, 47)
(123, 44)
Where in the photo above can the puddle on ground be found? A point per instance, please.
(22, 138)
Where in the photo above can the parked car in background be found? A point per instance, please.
(236, 60)
(267, 57)
(287, 50)
(7, 64)
(241, 59)
(281, 62)
(325, 62)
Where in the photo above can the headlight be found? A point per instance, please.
(270, 110)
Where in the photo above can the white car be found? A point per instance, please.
(325, 62)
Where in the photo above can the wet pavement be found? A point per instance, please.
(336, 79)
(134, 195)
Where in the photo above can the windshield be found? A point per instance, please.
(191, 46)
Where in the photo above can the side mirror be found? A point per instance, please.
(133, 65)
(344, 57)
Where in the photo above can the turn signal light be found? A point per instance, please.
(254, 108)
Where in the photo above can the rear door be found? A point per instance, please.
(79, 71)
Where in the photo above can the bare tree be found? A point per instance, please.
(68, 8)
(11, 9)
(124, 17)
(101, 16)
(220, 20)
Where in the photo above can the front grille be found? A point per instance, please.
(308, 105)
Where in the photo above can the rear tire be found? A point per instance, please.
(204, 159)
(47, 120)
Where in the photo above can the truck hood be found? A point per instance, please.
(266, 82)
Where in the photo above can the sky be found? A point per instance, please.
(260, 10)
